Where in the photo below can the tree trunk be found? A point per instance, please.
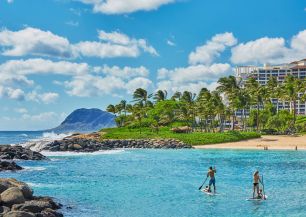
(233, 125)
(257, 118)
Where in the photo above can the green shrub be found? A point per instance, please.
(195, 138)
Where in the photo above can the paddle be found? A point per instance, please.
(203, 183)
(263, 187)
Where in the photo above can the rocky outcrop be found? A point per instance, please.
(9, 152)
(17, 200)
(7, 165)
(79, 144)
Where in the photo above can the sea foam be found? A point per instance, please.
(40, 143)
(70, 153)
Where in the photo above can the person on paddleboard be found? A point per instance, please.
(211, 173)
(256, 180)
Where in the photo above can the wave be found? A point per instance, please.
(34, 168)
(39, 143)
(42, 185)
(70, 153)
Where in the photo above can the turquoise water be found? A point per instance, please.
(165, 183)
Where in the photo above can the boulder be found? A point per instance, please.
(26, 191)
(51, 213)
(4, 209)
(33, 206)
(9, 152)
(7, 165)
(18, 214)
(12, 196)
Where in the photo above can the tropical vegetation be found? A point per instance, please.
(233, 106)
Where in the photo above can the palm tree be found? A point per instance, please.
(112, 109)
(141, 95)
(138, 113)
(188, 99)
(219, 107)
(230, 87)
(160, 95)
(257, 93)
(177, 95)
(123, 105)
(292, 90)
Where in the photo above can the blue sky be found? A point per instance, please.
(60, 55)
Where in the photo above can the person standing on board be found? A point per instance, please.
(256, 180)
(211, 173)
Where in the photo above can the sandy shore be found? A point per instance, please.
(271, 142)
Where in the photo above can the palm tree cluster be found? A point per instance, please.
(233, 105)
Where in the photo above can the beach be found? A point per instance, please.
(272, 142)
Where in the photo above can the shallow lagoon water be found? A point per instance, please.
(165, 182)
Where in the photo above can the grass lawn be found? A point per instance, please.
(196, 138)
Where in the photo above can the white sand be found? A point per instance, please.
(271, 142)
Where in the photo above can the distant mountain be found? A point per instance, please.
(86, 120)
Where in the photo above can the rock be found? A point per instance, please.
(51, 213)
(4, 209)
(6, 165)
(3, 187)
(49, 200)
(8, 152)
(19, 214)
(19, 196)
(26, 191)
(12, 196)
(33, 206)
(83, 143)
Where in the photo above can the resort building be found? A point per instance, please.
(263, 73)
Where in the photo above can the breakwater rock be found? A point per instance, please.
(9, 152)
(81, 144)
(7, 165)
(17, 199)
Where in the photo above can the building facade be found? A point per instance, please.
(262, 75)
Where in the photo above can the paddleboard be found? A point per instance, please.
(257, 199)
(209, 193)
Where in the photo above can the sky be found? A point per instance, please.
(60, 55)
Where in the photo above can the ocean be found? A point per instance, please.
(135, 183)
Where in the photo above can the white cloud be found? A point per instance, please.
(41, 66)
(36, 42)
(72, 23)
(193, 87)
(83, 80)
(170, 43)
(13, 77)
(270, 50)
(191, 78)
(45, 98)
(139, 82)
(106, 50)
(125, 72)
(10, 1)
(114, 37)
(21, 110)
(125, 6)
(208, 52)
(194, 73)
(12, 93)
(32, 41)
